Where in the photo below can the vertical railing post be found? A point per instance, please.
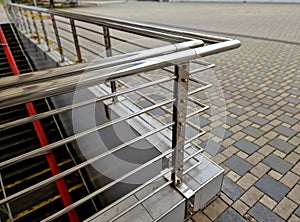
(179, 117)
(16, 17)
(76, 42)
(44, 31)
(108, 51)
(22, 19)
(28, 22)
(35, 27)
(60, 49)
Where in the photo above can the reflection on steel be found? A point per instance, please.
(162, 120)
(179, 117)
(59, 46)
(44, 30)
(35, 27)
(77, 47)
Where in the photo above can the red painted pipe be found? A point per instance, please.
(39, 130)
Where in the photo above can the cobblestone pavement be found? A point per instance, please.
(261, 82)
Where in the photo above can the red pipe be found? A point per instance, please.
(60, 184)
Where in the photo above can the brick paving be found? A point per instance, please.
(260, 81)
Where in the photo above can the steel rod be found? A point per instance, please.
(129, 194)
(77, 136)
(59, 110)
(97, 192)
(141, 200)
(100, 64)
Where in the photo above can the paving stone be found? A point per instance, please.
(295, 194)
(230, 215)
(271, 187)
(200, 216)
(251, 196)
(297, 211)
(231, 189)
(238, 165)
(274, 174)
(255, 158)
(260, 169)
(215, 209)
(247, 181)
(282, 155)
(268, 101)
(268, 202)
(242, 102)
(289, 120)
(292, 100)
(285, 208)
(237, 111)
(233, 176)
(294, 218)
(228, 152)
(254, 132)
(240, 207)
(285, 131)
(296, 169)
(293, 158)
(290, 109)
(212, 147)
(144, 103)
(248, 94)
(246, 146)
(221, 132)
(271, 93)
(226, 199)
(231, 121)
(263, 110)
(281, 145)
(290, 179)
(200, 121)
(277, 163)
(263, 214)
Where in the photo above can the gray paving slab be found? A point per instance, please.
(272, 187)
(231, 189)
(281, 145)
(246, 146)
(230, 215)
(277, 163)
(263, 214)
(285, 131)
(252, 131)
(238, 165)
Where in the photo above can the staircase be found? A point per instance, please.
(43, 202)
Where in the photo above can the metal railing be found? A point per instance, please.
(165, 70)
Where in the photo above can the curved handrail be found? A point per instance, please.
(134, 27)
(30, 92)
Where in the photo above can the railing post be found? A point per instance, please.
(44, 31)
(35, 27)
(108, 50)
(75, 37)
(28, 23)
(60, 49)
(22, 19)
(179, 117)
(16, 17)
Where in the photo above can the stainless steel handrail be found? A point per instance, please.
(30, 92)
(52, 74)
(134, 27)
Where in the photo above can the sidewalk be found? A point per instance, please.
(261, 82)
